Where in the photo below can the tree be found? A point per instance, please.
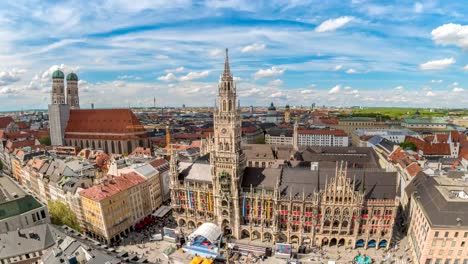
(45, 140)
(260, 140)
(1, 165)
(408, 145)
(61, 214)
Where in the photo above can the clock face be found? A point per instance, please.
(223, 131)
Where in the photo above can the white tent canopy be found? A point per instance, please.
(209, 231)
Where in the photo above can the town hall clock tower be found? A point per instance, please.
(227, 159)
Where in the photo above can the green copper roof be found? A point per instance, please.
(18, 206)
(72, 77)
(58, 74)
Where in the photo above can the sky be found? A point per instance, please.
(297, 52)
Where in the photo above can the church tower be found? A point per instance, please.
(287, 114)
(72, 91)
(227, 159)
(59, 110)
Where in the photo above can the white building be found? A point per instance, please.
(394, 135)
(310, 137)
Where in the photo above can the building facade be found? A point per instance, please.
(438, 232)
(112, 208)
(317, 204)
(112, 130)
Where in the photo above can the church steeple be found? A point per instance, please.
(227, 69)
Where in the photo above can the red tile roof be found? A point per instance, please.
(117, 121)
(413, 169)
(430, 148)
(5, 121)
(158, 162)
(114, 186)
(141, 151)
(23, 125)
(11, 145)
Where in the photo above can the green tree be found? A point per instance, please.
(45, 140)
(61, 214)
(408, 145)
(260, 140)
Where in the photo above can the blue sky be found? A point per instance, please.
(342, 53)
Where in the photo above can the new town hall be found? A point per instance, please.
(288, 194)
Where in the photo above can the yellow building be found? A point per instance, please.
(109, 208)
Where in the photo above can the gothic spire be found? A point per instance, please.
(227, 70)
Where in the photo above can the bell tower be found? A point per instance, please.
(59, 110)
(227, 159)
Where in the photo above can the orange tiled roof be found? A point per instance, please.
(115, 185)
(158, 162)
(118, 121)
(413, 169)
(5, 121)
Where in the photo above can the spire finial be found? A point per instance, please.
(227, 70)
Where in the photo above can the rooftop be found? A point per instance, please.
(113, 186)
(24, 241)
(442, 200)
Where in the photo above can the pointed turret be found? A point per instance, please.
(227, 69)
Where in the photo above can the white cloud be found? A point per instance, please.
(178, 69)
(277, 94)
(237, 79)
(194, 76)
(351, 71)
(430, 94)
(333, 24)
(418, 7)
(451, 34)
(215, 53)
(272, 72)
(338, 67)
(465, 68)
(162, 57)
(306, 91)
(170, 77)
(455, 84)
(10, 76)
(436, 81)
(335, 89)
(458, 90)
(119, 83)
(437, 64)
(276, 82)
(253, 47)
(399, 88)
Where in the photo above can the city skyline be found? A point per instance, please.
(297, 53)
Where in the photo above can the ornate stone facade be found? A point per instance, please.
(304, 203)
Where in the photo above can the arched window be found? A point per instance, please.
(226, 147)
(230, 105)
(337, 211)
(346, 212)
(328, 211)
(224, 105)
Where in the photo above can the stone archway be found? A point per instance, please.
(294, 239)
(282, 238)
(383, 244)
(360, 243)
(333, 242)
(371, 243)
(325, 241)
(245, 234)
(267, 237)
(191, 224)
(341, 242)
(256, 235)
(182, 222)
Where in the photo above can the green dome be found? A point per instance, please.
(58, 74)
(72, 77)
